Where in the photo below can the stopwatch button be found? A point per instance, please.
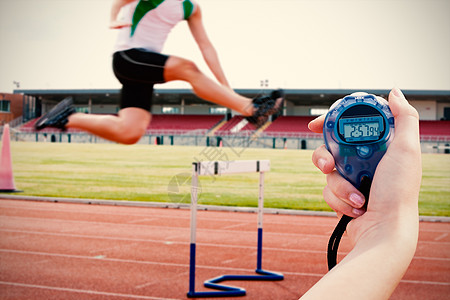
(364, 151)
(391, 120)
(348, 169)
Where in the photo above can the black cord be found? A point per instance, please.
(333, 243)
(335, 238)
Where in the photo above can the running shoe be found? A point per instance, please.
(58, 116)
(265, 106)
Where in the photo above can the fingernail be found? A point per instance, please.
(397, 92)
(321, 163)
(358, 211)
(356, 199)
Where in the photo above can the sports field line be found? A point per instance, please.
(165, 264)
(62, 289)
(187, 243)
(158, 241)
(170, 205)
(156, 227)
(162, 216)
(426, 282)
(118, 260)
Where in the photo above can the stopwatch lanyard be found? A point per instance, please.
(333, 243)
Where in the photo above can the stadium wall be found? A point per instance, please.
(427, 109)
(199, 109)
(236, 143)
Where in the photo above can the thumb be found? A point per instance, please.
(396, 183)
(406, 122)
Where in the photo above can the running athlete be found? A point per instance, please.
(138, 64)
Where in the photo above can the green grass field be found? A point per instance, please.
(151, 173)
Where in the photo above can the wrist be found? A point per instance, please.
(398, 231)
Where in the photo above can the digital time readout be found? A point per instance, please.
(361, 129)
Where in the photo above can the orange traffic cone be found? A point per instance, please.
(6, 174)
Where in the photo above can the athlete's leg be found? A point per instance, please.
(177, 68)
(126, 128)
(135, 103)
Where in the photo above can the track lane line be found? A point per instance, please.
(252, 247)
(156, 227)
(187, 218)
(62, 289)
(200, 243)
(221, 268)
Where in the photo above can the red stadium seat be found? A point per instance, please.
(290, 124)
(183, 123)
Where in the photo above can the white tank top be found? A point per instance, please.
(152, 21)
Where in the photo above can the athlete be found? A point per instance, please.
(139, 64)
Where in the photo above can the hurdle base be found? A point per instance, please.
(264, 276)
(231, 291)
(269, 275)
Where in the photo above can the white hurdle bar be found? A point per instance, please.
(231, 167)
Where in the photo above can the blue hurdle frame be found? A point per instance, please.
(214, 168)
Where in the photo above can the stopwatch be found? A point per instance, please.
(357, 131)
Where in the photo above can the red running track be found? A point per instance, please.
(75, 251)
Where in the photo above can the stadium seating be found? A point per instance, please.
(434, 128)
(227, 128)
(290, 124)
(28, 126)
(230, 124)
(183, 123)
(166, 122)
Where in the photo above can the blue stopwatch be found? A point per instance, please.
(357, 131)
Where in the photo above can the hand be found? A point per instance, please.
(118, 24)
(385, 237)
(395, 188)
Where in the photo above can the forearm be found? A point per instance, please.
(212, 60)
(375, 266)
(206, 47)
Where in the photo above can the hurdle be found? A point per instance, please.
(212, 168)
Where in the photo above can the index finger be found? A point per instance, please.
(316, 125)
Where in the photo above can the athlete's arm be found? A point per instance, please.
(206, 47)
(385, 237)
(115, 9)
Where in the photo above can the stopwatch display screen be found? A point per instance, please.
(361, 129)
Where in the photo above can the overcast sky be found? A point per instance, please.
(304, 44)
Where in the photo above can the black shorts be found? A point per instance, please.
(138, 70)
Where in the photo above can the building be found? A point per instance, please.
(288, 129)
(431, 104)
(11, 108)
